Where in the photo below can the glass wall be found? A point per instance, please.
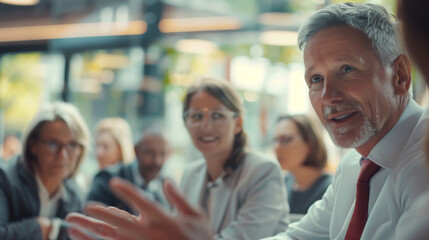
(252, 44)
(26, 81)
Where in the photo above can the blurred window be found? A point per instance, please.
(26, 81)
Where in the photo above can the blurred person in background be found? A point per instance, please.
(37, 188)
(240, 194)
(113, 142)
(11, 147)
(152, 151)
(113, 145)
(415, 33)
(301, 151)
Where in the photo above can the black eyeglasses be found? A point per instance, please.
(73, 148)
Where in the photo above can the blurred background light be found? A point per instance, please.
(196, 46)
(20, 2)
(57, 31)
(279, 38)
(199, 24)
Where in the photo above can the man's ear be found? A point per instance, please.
(402, 74)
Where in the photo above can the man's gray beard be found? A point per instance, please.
(367, 131)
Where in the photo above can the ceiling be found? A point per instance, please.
(77, 23)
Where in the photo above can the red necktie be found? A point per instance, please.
(360, 213)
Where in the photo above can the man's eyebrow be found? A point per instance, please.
(337, 60)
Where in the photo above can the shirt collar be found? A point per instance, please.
(219, 180)
(387, 151)
(139, 180)
(44, 194)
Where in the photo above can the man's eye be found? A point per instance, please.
(316, 79)
(347, 69)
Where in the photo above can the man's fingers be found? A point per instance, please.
(81, 225)
(175, 198)
(77, 234)
(105, 214)
(124, 214)
(131, 195)
(128, 226)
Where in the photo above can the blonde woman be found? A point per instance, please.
(113, 142)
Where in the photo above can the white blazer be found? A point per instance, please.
(249, 203)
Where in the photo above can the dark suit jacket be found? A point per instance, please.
(100, 191)
(20, 204)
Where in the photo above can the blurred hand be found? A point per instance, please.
(187, 224)
(87, 228)
(45, 226)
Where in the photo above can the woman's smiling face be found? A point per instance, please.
(211, 125)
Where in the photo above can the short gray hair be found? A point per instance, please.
(152, 128)
(48, 113)
(372, 19)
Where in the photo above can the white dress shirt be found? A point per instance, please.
(418, 227)
(49, 206)
(393, 190)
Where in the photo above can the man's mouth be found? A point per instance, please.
(343, 117)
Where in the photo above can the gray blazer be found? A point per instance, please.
(20, 204)
(251, 202)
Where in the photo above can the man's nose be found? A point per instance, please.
(332, 91)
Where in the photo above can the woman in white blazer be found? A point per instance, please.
(242, 193)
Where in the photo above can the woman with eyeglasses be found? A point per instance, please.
(239, 190)
(232, 193)
(36, 188)
(301, 151)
